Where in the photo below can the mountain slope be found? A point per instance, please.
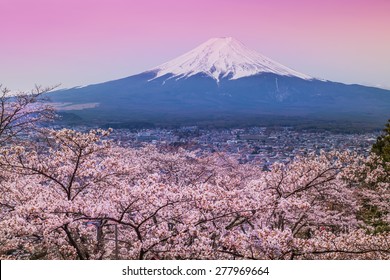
(222, 82)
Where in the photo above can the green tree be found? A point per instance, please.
(382, 145)
(369, 213)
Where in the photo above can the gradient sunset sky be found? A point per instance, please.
(79, 42)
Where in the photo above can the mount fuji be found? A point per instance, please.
(223, 83)
(221, 58)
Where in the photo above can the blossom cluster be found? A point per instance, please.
(74, 195)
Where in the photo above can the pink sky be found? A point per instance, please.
(78, 42)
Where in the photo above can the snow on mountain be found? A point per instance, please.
(223, 57)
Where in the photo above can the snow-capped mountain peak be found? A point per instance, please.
(223, 57)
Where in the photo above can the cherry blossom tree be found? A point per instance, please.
(76, 195)
(371, 176)
(20, 112)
